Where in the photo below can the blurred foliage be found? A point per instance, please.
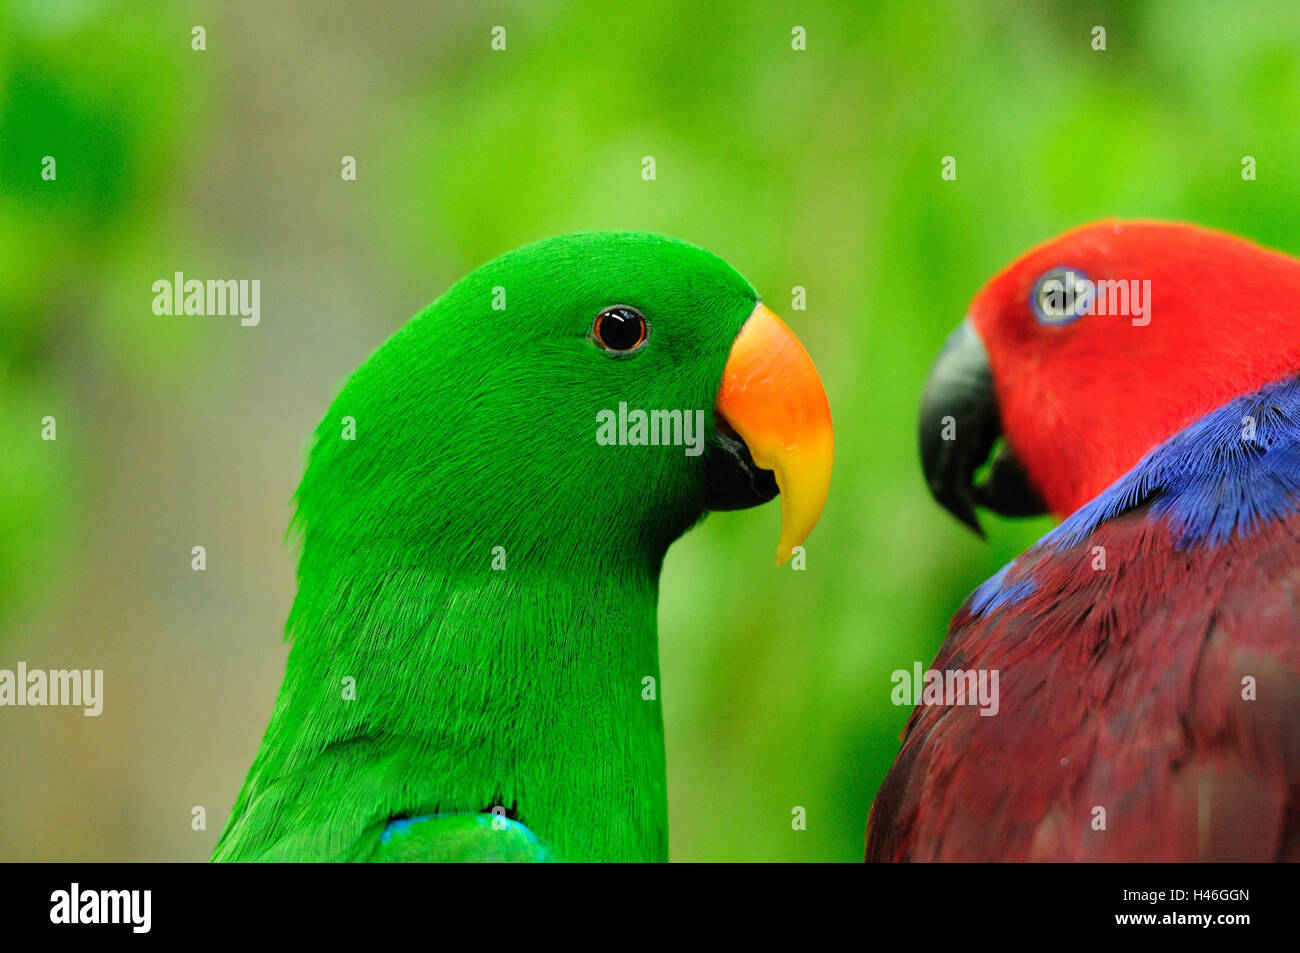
(817, 168)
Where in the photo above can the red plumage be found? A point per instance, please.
(1121, 690)
(1081, 403)
(1126, 726)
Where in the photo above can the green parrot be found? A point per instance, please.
(483, 518)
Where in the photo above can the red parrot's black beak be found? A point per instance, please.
(959, 426)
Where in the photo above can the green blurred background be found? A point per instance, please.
(818, 168)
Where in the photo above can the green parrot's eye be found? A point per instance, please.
(620, 329)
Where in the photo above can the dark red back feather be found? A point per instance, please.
(1120, 689)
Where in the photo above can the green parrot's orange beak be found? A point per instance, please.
(774, 400)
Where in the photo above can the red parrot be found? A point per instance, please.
(1145, 381)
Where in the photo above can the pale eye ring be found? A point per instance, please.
(1061, 295)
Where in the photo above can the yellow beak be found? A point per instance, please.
(774, 400)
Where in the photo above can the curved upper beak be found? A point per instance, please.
(958, 428)
(773, 399)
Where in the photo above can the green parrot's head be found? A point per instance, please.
(591, 393)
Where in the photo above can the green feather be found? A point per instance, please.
(478, 687)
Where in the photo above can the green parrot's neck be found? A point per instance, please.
(416, 692)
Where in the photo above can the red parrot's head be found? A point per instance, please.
(1092, 349)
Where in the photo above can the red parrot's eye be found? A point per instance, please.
(1061, 295)
(620, 329)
